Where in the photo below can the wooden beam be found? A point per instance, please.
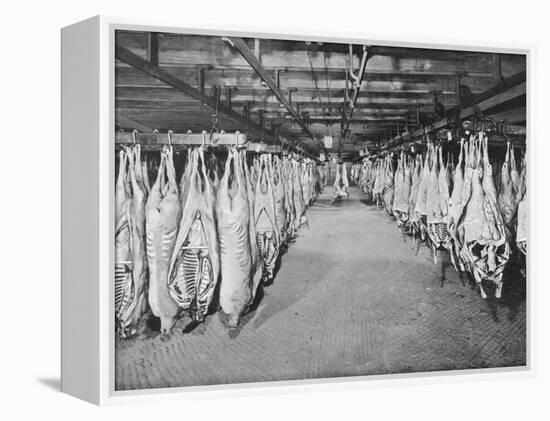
(145, 66)
(249, 56)
(128, 123)
(238, 77)
(479, 107)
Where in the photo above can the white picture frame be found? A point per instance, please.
(88, 216)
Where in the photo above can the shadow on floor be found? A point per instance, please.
(53, 383)
(284, 299)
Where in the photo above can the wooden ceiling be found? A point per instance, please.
(396, 92)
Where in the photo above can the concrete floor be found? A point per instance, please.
(350, 298)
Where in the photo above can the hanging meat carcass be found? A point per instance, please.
(521, 233)
(233, 215)
(345, 181)
(286, 173)
(341, 184)
(256, 273)
(311, 173)
(389, 188)
(421, 207)
(281, 205)
(368, 179)
(298, 199)
(438, 208)
(265, 219)
(195, 261)
(455, 201)
(304, 183)
(416, 178)
(507, 198)
(131, 261)
(378, 186)
(484, 249)
(163, 213)
(402, 183)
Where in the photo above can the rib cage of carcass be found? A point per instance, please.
(130, 255)
(480, 233)
(265, 218)
(437, 206)
(195, 261)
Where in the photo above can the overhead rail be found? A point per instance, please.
(154, 141)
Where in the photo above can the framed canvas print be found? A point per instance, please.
(245, 210)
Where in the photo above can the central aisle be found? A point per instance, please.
(350, 298)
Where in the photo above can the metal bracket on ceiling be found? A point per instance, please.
(497, 70)
(290, 91)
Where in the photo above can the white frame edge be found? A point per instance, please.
(87, 333)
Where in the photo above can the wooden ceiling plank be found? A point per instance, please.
(127, 56)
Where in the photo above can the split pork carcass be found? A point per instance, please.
(298, 198)
(320, 178)
(281, 205)
(265, 218)
(402, 183)
(507, 198)
(378, 186)
(131, 260)
(304, 183)
(416, 178)
(484, 249)
(389, 188)
(368, 179)
(288, 184)
(162, 214)
(237, 290)
(311, 172)
(256, 273)
(345, 181)
(437, 204)
(341, 184)
(521, 229)
(195, 261)
(455, 201)
(421, 207)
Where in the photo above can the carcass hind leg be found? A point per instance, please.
(479, 283)
(166, 324)
(233, 321)
(498, 292)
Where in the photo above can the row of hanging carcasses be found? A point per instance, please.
(457, 208)
(176, 241)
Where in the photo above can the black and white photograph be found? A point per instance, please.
(296, 209)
